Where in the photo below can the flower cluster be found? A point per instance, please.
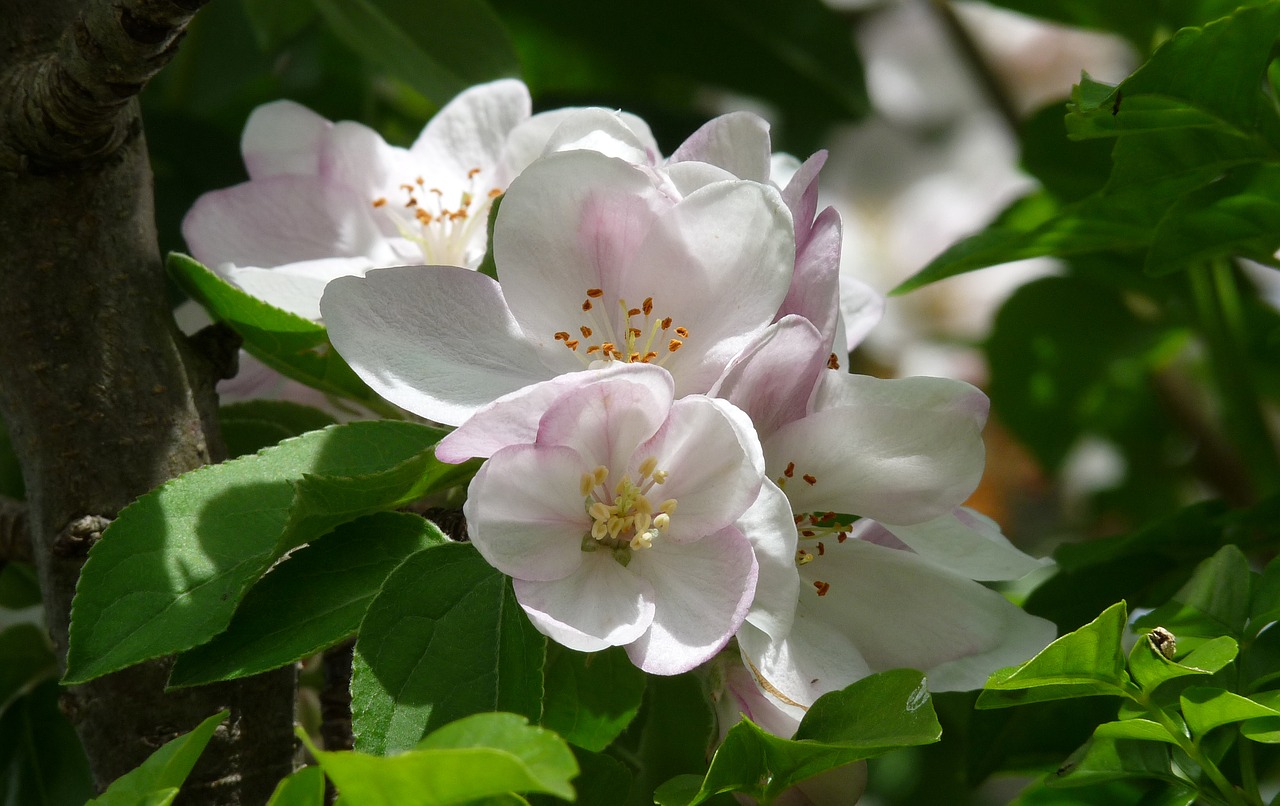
(676, 454)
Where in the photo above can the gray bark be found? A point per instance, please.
(103, 397)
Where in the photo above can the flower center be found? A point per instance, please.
(641, 337)
(442, 228)
(624, 519)
(815, 528)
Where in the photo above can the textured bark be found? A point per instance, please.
(103, 396)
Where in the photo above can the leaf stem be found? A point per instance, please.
(1218, 306)
(1232, 794)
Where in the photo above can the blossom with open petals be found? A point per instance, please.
(326, 200)
(619, 519)
(599, 261)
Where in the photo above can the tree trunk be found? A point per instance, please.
(104, 398)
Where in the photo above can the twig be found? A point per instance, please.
(72, 105)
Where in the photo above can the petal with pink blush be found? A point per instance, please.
(283, 138)
(601, 604)
(605, 422)
(524, 512)
(815, 286)
(702, 591)
(438, 341)
(737, 142)
(773, 378)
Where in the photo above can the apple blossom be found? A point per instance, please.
(618, 513)
(327, 200)
(598, 261)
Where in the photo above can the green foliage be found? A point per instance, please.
(482, 756)
(28, 661)
(250, 426)
(590, 698)
(304, 788)
(41, 761)
(310, 601)
(444, 638)
(157, 780)
(870, 717)
(170, 571)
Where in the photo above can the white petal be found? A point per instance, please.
(687, 177)
(861, 308)
(768, 524)
(295, 287)
(773, 378)
(607, 420)
(524, 512)
(737, 142)
(279, 220)
(899, 451)
(701, 594)
(357, 157)
(603, 131)
(815, 286)
(530, 139)
(471, 130)
(514, 418)
(283, 137)
(903, 612)
(805, 663)
(713, 457)
(970, 546)
(600, 605)
(438, 341)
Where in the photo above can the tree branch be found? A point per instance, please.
(71, 105)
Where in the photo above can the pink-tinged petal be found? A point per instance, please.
(769, 525)
(815, 286)
(782, 166)
(813, 658)
(295, 287)
(898, 451)
(903, 612)
(743, 697)
(737, 142)
(571, 222)
(438, 341)
(514, 419)
(712, 456)
(601, 604)
(357, 157)
(861, 308)
(283, 138)
(606, 421)
(279, 220)
(719, 264)
(701, 594)
(773, 378)
(801, 195)
(966, 543)
(532, 138)
(471, 130)
(524, 512)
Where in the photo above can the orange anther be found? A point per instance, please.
(586, 305)
(380, 201)
(595, 293)
(822, 587)
(562, 335)
(833, 362)
(682, 332)
(674, 344)
(647, 306)
(633, 312)
(810, 480)
(791, 470)
(666, 323)
(586, 332)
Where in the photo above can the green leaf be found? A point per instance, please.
(1068, 169)
(1207, 708)
(28, 661)
(1264, 606)
(310, 601)
(879, 713)
(481, 756)
(439, 49)
(1143, 729)
(1112, 793)
(166, 768)
(590, 698)
(443, 639)
(293, 346)
(1083, 663)
(1149, 667)
(304, 788)
(1238, 215)
(169, 572)
(672, 734)
(18, 587)
(41, 760)
(1104, 760)
(603, 780)
(250, 426)
(1214, 602)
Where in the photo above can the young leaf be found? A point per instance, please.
(870, 717)
(1084, 663)
(481, 756)
(407, 39)
(252, 425)
(672, 734)
(304, 788)
(167, 768)
(1214, 602)
(1143, 729)
(310, 601)
(590, 698)
(1104, 760)
(169, 572)
(1207, 708)
(42, 762)
(1150, 667)
(1238, 215)
(443, 639)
